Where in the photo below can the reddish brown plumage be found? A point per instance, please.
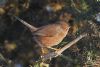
(51, 34)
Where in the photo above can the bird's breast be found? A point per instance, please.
(52, 41)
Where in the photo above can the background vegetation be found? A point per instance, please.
(18, 49)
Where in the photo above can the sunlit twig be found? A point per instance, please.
(58, 52)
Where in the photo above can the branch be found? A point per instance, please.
(57, 53)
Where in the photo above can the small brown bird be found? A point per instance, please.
(51, 34)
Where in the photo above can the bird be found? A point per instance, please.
(49, 35)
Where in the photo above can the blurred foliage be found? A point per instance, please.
(17, 47)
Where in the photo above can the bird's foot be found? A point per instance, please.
(56, 49)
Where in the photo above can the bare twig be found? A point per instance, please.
(73, 5)
(2, 57)
(57, 53)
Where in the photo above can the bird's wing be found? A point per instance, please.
(48, 30)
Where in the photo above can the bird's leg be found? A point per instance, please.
(56, 49)
(44, 50)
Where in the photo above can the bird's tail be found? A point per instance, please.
(32, 28)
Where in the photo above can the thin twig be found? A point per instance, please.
(70, 44)
(57, 53)
(2, 57)
(73, 5)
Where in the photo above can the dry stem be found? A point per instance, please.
(58, 52)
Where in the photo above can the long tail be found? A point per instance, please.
(32, 28)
